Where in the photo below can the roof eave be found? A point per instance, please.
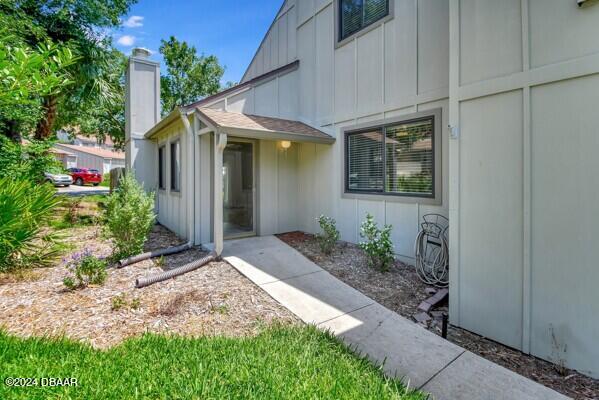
(174, 115)
(276, 135)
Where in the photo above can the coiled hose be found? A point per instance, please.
(432, 252)
(163, 276)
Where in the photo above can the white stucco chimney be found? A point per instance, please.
(142, 112)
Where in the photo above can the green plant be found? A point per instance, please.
(377, 246)
(129, 217)
(135, 303)
(329, 236)
(84, 269)
(118, 302)
(25, 208)
(27, 161)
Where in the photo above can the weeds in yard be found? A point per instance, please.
(222, 309)
(84, 269)
(121, 301)
(20, 275)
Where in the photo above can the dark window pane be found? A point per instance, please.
(175, 166)
(161, 168)
(357, 14)
(409, 158)
(365, 161)
(374, 10)
(351, 16)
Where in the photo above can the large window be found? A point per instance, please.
(176, 166)
(161, 168)
(354, 15)
(396, 159)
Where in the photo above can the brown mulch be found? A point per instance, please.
(213, 300)
(400, 290)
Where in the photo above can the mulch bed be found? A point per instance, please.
(213, 300)
(401, 290)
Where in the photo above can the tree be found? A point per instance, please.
(189, 77)
(80, 25)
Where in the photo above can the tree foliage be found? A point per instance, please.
(79, 25)
(189, 76)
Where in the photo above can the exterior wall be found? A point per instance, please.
(86, 160)
(524, 89)
(398, 68)
(171, 206)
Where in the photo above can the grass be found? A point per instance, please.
(79, 212)
(279, 363)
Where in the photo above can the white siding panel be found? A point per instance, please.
(345, 82)
(287, 189)
(305, 9)
(220, 105)
(241, 103)
(307, 73)
(283, 41)
(266, 54)
(292, 34)
(404, 218)
(491, 220)
(560, 31)
(490, 39)
(400, 53)
(274, 46)
(288, 100)
(433, 45)
(266, 99)
(369, 72)
(324, 66)
(268, 188)
(565, 223)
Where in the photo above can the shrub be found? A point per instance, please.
(27, 162)
(84, 269)
(378, 246)
(129, 217)
(329, 236)
(25, 207)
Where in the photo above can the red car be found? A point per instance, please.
(82, 176)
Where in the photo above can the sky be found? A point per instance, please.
(230, 30)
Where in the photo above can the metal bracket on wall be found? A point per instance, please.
(454, 132)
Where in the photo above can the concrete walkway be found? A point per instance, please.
(422, 359)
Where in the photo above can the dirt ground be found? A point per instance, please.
(213, 300)
(400, 290)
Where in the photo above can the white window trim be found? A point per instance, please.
(391, 197)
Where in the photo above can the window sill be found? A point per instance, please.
(431, 201)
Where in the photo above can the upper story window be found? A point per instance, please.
(354, 15)
(395, 159)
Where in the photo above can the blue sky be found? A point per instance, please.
(230, 30)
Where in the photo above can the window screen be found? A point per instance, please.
(396, 159)
(357, 14)
(161, 168)
(176, 166)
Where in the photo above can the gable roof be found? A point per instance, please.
(260, 127)
(95, 151)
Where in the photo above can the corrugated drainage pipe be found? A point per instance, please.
(152, 254)
(163, 276)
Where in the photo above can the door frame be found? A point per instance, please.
(254, 230)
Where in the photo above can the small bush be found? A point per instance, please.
(329, 236)
(120, 301)
(377, 246)
(84, 269)
(129, 217)
(25, 208)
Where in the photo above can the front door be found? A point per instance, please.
(238, 189)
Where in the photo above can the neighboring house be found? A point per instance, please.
(93, 157)
(66, 158)
(481, 110)
(81, 140)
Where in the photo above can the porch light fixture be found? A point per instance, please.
(285, 144)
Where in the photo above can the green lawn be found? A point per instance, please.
(280, 363)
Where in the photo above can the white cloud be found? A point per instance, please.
(126, 40)
(134, 21)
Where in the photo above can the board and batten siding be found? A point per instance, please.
(399, 68)
(524, 89)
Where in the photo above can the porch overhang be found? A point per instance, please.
(260, 127)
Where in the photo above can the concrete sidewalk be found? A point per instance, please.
(422, 359)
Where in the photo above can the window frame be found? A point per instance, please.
(162, 168)
(365, 194)
(339, 41)
(172, 159)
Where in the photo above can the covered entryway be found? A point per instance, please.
(239, 191)
(245, 202)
